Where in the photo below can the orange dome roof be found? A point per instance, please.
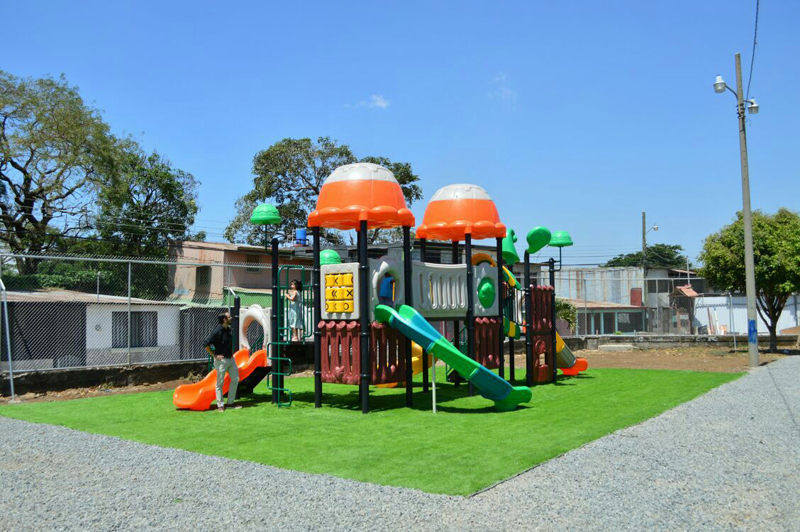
(361, 191)
(457, 210)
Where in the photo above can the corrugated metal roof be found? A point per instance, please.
(580, 304)
(684, 290)
(71, 296)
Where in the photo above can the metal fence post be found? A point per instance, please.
(8, 337)
(129, 313)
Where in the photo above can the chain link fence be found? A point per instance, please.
(625, 302)
(73, 312)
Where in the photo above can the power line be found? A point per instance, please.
(753, 55)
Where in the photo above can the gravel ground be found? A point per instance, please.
(729, 460)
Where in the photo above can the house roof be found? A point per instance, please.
(685, 290)
(72, 296)
(594, 305)
(298, 252)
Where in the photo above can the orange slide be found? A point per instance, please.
(200, 395)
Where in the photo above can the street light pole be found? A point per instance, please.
(749, 265)
(750, 276)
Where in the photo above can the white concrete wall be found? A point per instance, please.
(734, 316)
(610, 285)
(98, 323)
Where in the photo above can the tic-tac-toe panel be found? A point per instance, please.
(340, 291)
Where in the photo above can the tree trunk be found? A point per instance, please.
(27, 266)
(773, 337)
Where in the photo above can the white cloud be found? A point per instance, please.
(502, 90)
(376, 101)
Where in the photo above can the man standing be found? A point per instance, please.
(219, 345)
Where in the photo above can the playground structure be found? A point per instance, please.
(364, 337)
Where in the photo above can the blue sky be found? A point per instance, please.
(573, 115)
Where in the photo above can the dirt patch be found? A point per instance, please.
(99, 391)
(718, 359)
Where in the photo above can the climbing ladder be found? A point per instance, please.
(281, 365)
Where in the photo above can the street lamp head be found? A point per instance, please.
(655, 228)
(753, 107)
(719, 85)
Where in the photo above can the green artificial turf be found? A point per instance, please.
(467, 446)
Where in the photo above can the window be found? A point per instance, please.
(253, 259)
(144, 329)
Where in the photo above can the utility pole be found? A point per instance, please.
(644, 270)
(644, 243)
(749, 265)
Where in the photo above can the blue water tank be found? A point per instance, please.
(300, 236)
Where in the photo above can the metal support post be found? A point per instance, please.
(316, 289)
(363, 280)
(552, 266)
(500, 307)
(528, 323)
(8, 338)
(456, 323)
(470, 304)
(277, 313)
(423, 254)
(237, 309)
(408, 296)
(129, 313)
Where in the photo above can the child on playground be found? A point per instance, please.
(295, 297)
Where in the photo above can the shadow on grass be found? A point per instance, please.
(383, 401)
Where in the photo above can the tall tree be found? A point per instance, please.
(290, 174)
(54, 152)
(776, 247)
(151, 204)
(658, 256)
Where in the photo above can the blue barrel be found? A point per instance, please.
(300, 236)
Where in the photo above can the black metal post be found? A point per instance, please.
(237, 309)
(470, 304)
(277, 311)
(528, 322)
(423, 256)
(552, 266)
(456, 323)
(363, 281)
(511, 376)
(316, 290)
(500, 305)
(408, 295)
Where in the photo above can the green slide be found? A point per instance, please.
(413, 325)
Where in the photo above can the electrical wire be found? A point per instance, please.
(753, 55)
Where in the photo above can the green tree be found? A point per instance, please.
(152, 204)
(54, 152)
(658, 256)
(567, 312)
(290, 174)
(776, 246)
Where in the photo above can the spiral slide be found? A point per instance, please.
(200, 395)
(412, 324)
(567, 362)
